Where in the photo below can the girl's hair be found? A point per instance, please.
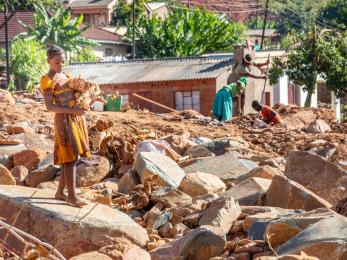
(54, 50)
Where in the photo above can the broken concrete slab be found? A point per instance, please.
(248, 192)
(204, 242)
(201, 183)
(42, 213)
(324, 178)
(226, 167)
(148, 164)
(222, 213)
(288, 194)
(326, 240)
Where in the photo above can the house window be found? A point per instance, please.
(187, 100)
(125, 99)
(109, 52)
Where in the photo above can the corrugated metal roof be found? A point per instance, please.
(151, 70)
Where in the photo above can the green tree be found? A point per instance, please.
(59, 29)
(335, 13)
(29, 4)
(28, 64)
(85, 55)
(254, 24)
(122, 12)
(185, 33)
(310, 55)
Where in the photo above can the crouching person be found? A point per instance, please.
(270, 116)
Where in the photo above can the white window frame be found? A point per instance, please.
(187, 100)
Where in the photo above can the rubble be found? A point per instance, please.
(169, 186)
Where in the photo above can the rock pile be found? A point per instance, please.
(272, 193)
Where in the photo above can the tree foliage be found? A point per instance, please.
(336, 13)
(85, 55)
(185, 33)
(311, 55)
(122, 12)
(28, 64)
(59, 29)
(29, 4)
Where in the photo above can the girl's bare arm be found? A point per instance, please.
(48, 98)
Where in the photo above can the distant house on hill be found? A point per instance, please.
(157, 8)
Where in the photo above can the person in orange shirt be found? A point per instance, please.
(71, 134)
(270, 116)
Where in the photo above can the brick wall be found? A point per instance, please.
(163, 92)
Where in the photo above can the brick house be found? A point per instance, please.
(14, 27)
(96, 12)
(179, 83)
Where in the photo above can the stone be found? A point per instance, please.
(109, 183)
(6, 161)
(43, 213)
(28, 158)
(35, 141)
(192, 220)
(128, 182)
(13, 129)
(221, 213)
(325, 152)
(19, 173)
(180, 230)
(6, 97)
(148, 164)
(199, 151)
(53, 185)
(248, 192)
(179, 143)
(227, 167)
(47, 161)
(166, 230)
(257, 230)
(302, 256)
(123, 169)
(266, 172)
(92, 171)
(264, 216)
(9, 150)
(204, 242)
(318, 126)
(279, 231)
(270, 162)
(326, 240)
(91, 256)
(289, 194)
(38, 176)
(202, 202)
(155, 221)
(123, 249)
(324, 178)
(171, 197)
(6, 177)
(298, 120)
(200, 183)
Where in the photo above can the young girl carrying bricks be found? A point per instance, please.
(71, 136)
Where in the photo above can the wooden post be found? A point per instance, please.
(154, 103)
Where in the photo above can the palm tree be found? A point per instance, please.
(59, 29)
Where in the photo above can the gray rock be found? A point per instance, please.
(318, 126)
(92, 171)
(326, 239)
(128, 182)
(204, 242)
(35, 141)
(42, 213)
(227, 167)
(11, 149)
(170, 197)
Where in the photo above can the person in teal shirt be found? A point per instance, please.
(223, 101)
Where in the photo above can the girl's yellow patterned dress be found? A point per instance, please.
(71, 134)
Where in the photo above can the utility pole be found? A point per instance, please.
(7, 46)
(134, 17)
(264, 25)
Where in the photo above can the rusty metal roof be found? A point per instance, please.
(169, 69)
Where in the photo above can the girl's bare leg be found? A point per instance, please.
(70, 180)
(60, 191)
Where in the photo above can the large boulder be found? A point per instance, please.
(324, 178)
(148, 164)
(248, 192)
(42, 213)
(318, 126)
(171, 197)
(35, 141)
(222, 213)
(30, 159)
(204, 242)
(19, 173)
(40, 175)
(289, 194)
(326, 240)
(6, 177)
(201, 183)
(299, 120)
(280, 230)
(92, 171)
(8, 150)
(266, 172)
(226, 167)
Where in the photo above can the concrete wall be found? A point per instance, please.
(302, 97)
(163, 92)
(280, 91)
(117, 49)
